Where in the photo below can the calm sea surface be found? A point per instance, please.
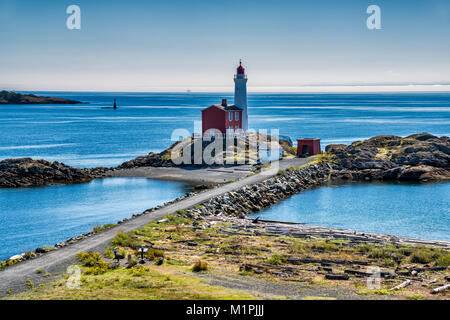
(35, 217)
(410, 210)
(88, 135)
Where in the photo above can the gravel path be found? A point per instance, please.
(271, 290)
(57, 261)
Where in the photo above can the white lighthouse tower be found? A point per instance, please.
(240, 94)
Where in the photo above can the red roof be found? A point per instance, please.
(240, 69)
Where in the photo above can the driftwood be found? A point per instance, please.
(193, 240)
(429, 269)
(249, 266)
(337, 276)
(401, 285)
(326, 261)
(440, 289)
(358, 273)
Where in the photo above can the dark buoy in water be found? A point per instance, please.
(115, 104)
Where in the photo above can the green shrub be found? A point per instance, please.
(364, 248)
(323, 246)
(276, 259)
(415, 297)
(29, 283)
(94, 262)
(424, 255)
(380, 254)
(90, 259)
(153, 254)
(200, 266)
(124, 240)
(139, 270)
(109, 252)
(95, 270)
(443, 261)
(97, 229)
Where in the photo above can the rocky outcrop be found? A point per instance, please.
(150, 160)
(26, 172)
(387, 157)
(7, 97)
(242, 148)
(253, 198)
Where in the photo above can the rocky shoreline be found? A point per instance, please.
(418, 157)
(26, 172)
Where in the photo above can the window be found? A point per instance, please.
(230, 116)
(236, 116)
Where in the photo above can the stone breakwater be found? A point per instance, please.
(253, 198)
(418, 157)
(26, 172)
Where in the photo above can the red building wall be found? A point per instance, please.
(216, 118)
(213, 118)
(309, 147)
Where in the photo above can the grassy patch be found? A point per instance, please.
(379, 292)
(443, 261)
(119, 284)
(415, 297)
(98, 229)
(93, 262)
(125, 240)
(276, 259)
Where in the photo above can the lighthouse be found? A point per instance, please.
(240, 94)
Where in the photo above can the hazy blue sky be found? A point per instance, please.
(167, 45)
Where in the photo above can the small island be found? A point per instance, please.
(9, 97)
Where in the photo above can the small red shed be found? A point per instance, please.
(308, 147)
(222, 117)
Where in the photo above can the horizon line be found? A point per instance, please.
(343, 88)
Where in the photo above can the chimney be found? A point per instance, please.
(224, 102)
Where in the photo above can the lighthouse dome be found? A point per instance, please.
(240, 69)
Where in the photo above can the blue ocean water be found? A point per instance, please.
(35, 217)
(410, 210)
(88, 136)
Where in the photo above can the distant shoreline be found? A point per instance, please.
(14, 98)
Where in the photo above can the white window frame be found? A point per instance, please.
(236, 116)
(230, 116)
